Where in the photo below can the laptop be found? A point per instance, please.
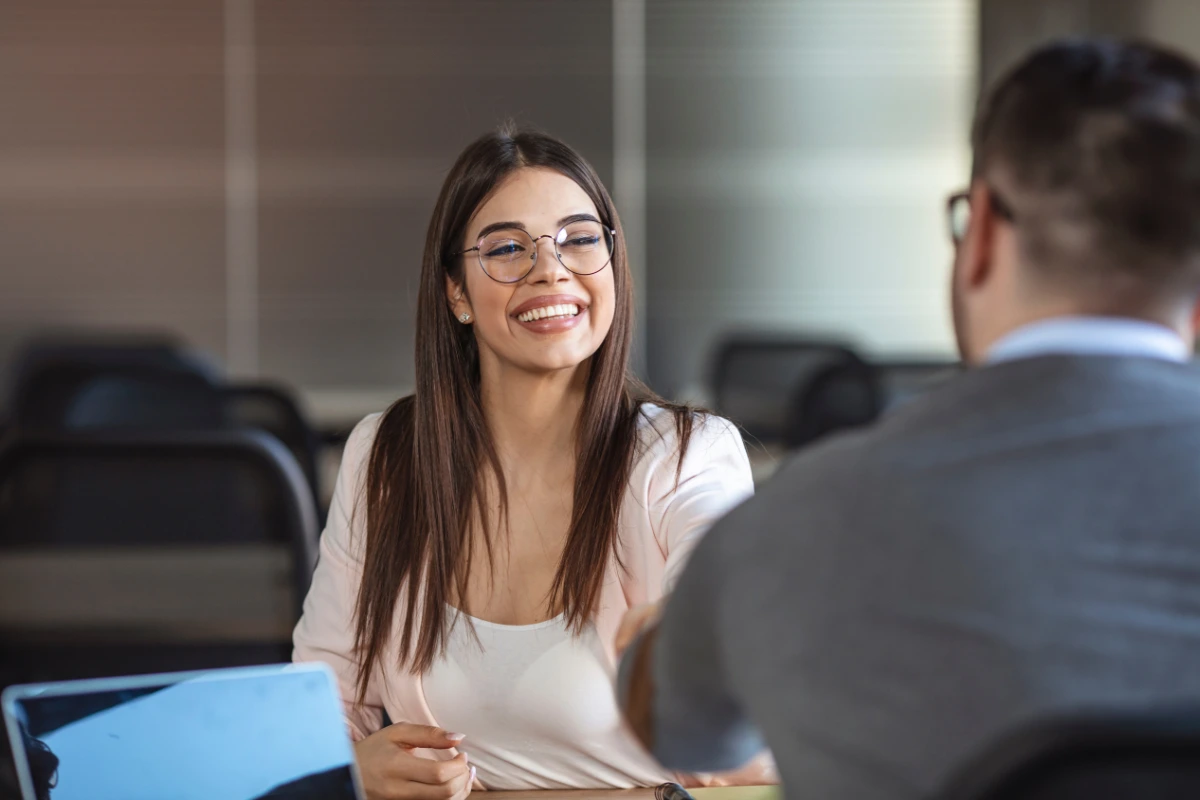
(274, 733)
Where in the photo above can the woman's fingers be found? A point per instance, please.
(405, 734)
(430, 772)
(391, 771)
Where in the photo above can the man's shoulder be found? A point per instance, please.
(977, 411)
(825, 481)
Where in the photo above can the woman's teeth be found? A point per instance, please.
(549, 312)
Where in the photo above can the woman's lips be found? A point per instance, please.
(557, 324)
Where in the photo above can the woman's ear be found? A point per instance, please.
(460, 306)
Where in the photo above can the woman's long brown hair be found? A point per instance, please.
(424, 476)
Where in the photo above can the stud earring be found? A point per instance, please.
(464, 318)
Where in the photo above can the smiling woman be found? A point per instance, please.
(488, 533)
(533, 311)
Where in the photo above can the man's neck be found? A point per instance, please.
(1091, 336)
(1178, 319)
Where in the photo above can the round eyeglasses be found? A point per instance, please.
(583, 246)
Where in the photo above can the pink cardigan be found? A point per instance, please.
(660, 524)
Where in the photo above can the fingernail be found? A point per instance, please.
(472, 774)
(455, 737)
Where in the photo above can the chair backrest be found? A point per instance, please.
(124, 553)
(163, 351)
(840, 396)
(274, 410)
(151, 385)
(755, 379)
(1148, 755)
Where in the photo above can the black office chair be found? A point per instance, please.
(149, 552)
(840, 396)
(274, 410)
(150, 386)
(1154, 755)
(159, 350)
(756, 377)
(110, 383)
(9, 788)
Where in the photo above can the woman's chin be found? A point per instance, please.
(553, 360)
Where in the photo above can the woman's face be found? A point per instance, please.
(552, 319)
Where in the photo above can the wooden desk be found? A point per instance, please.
(725, 793)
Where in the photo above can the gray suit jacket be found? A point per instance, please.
(1024, 540)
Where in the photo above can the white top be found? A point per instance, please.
(665, 512)
(540, 707)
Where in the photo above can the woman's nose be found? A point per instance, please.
(546, 267)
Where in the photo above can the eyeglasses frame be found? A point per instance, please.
(998, 204)
(533, 258)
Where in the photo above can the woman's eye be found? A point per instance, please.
(583, 241)
(503, 250)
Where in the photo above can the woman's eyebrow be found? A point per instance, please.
(501, 226)
(584, 217)
(509, 225)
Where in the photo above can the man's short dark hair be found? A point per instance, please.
(1097, 143)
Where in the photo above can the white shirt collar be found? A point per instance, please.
(1109, 336)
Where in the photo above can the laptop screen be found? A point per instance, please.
(274, 732)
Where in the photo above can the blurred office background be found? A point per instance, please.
(255, 176)
(223, 204)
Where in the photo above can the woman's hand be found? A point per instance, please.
(390, 771)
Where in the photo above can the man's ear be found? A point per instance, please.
(977, 266)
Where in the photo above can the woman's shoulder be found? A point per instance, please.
(361, 439)
(659, 427)
(365, 429)
(360, 443)
(675, 442)
(397, 418)
(692, 470)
